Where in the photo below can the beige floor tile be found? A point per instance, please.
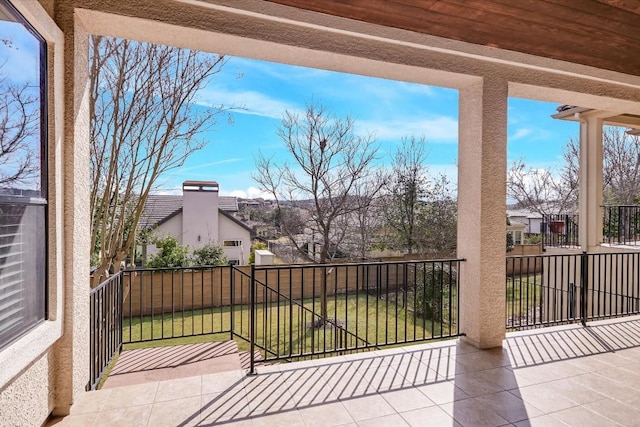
(285, 418)
(443, 392)
(508, 406)
(80, 420)
(311, 393)
(613, 389)
(179, 389)
(333, 414)
(92, 401)
(134, 416)
(364, 408)
(183, 412)
(542, 421)
(583, 417)
(394, 420)
(407, 399)
(503, 377)
(476, 385)
(433, 415)
(224, 407)
(543, 399)
(574, 391)
(616, 411)
(471, 412)
(135, 395)
(215, 383)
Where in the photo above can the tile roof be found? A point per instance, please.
(160, 207)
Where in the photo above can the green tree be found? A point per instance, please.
(257, 245)
(171, 254)
(209, 254)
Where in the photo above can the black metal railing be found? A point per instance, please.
(105, 333)
(621, 224)
(560, 231)
(545, 290)
(307, 311)
(282, 312)
(167, 303)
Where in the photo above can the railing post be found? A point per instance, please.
(232, 296)
(252, 320)
(584, 272)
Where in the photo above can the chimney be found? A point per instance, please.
(199, 213)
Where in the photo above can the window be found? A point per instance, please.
(23, 194)
(232, 243)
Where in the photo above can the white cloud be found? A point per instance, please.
(245, 102)
(521, 133)
(249, 193)
(438, 129)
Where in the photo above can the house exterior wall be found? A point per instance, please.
(229, 230)
(46, 369)
(171, 227)
(199, 216)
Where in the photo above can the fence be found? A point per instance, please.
(105, 334)
(300, 311)
(622, 224)
(560, 231)
(571, 288)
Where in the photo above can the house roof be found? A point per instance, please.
(162, 207)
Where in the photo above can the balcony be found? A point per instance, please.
(566, 375)
(620, 228)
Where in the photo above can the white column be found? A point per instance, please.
(590, 194)
(482, 170)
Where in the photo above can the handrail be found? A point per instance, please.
(297, 303)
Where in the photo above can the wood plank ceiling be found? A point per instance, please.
(599, 33)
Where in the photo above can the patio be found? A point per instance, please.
(564, 375)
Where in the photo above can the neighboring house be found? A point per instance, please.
(532, 220)
(196, 218)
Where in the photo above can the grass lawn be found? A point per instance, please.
(287, 330)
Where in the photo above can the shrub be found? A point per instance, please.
(432, 287)
(254, 247)
(209, 254)
(171, 254)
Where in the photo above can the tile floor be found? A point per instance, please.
(559, 376)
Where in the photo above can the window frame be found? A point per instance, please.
(43, 199)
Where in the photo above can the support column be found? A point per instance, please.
(482, 171)
(590, 193)
(71, 352)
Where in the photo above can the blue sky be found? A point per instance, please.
(386, 108)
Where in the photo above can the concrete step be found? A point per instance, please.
(176, 361)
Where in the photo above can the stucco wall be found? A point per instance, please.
(229, 230)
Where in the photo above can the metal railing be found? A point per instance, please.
(621, 224)
(560, 231)
(105, 333)
(545, 290)
(308, 311)
(283, 312)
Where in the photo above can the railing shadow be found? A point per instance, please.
(467, 383)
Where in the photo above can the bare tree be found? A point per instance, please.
(143, 123)
(540, 190)
(406, 188)
(19, 138)
(330, 163)
(547, 193)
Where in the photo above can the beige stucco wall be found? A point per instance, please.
(229, 230)
(199, 217)
(33, 382)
